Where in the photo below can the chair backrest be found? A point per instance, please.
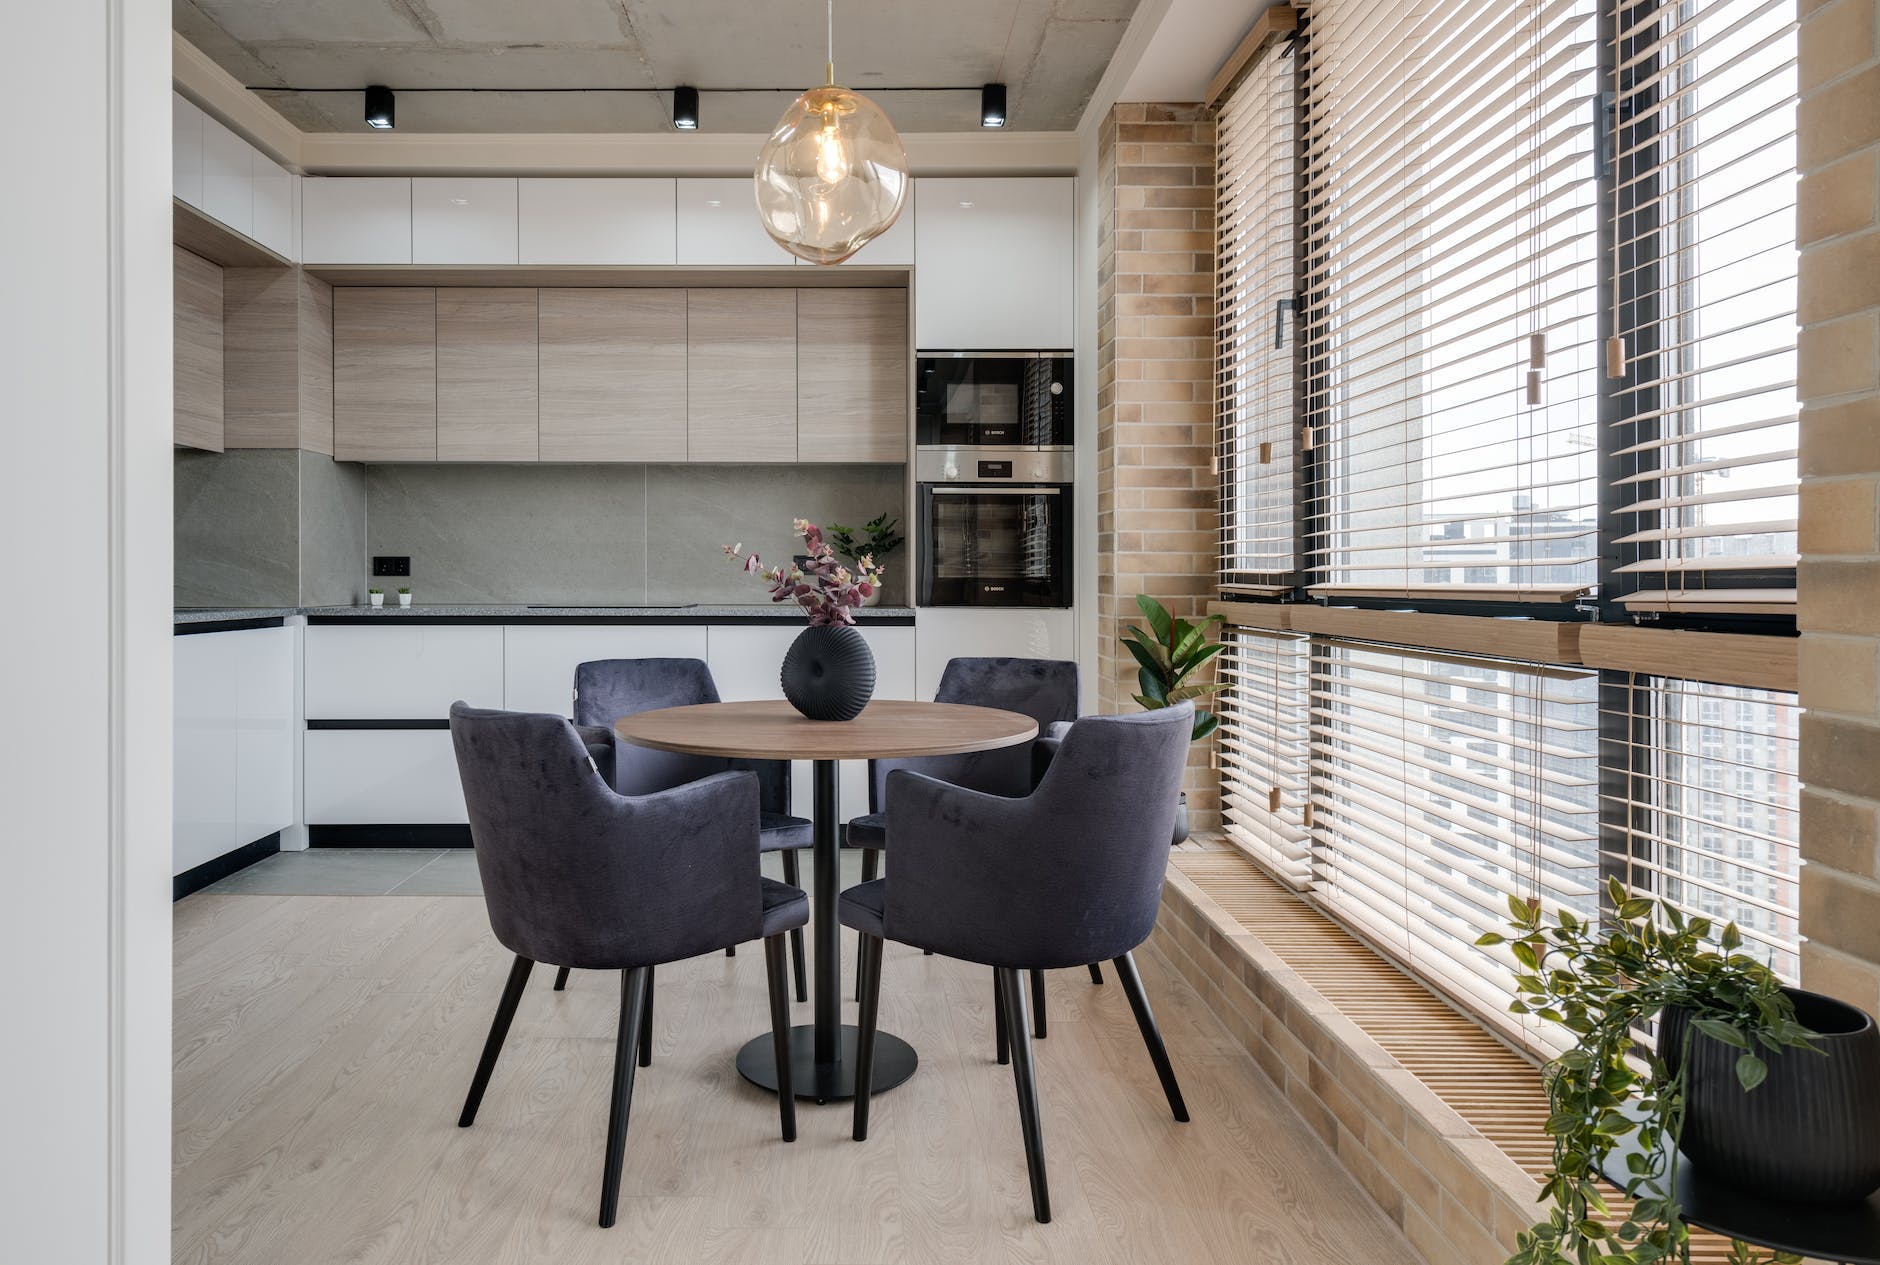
(607, 689)
(577, 875)
(1069, 875)
(1043, 689)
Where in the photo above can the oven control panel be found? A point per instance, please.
(993, 465)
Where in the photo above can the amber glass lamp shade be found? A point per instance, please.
(832, 177)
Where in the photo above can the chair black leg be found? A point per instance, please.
(633, 986)
(871, 864)
(1096, 973)
(493, 1045)
(797, 960)
(1151, 1035)
(780, 1033)
(868, 1015)
(998, 1018)
(731, 951)
(1037, 1004)
(1025, 1076)
(646, 1023)
(561, 978)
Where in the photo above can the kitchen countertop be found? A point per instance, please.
(504, 614)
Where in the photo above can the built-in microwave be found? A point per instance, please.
(993, 527)
(987, 399)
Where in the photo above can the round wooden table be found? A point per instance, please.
(823, 1053)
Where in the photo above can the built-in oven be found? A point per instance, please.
(994, 527)
(992, 399)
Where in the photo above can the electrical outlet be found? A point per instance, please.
(391, 565)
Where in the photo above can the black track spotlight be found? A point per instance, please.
(381, 108)
(685, 109)
(992, 105)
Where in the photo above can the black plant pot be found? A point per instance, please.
(829, 673)
(1181, 820)
(1811, 1131)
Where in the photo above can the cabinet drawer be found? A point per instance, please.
(401, 673)
(539, 662)
(405, 777)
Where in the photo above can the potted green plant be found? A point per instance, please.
(1727, 1029)
(404, 598)
(376, 597)
(878, 538)
(1168, 653)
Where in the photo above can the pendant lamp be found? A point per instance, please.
(833, 175)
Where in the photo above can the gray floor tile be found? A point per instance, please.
(329, 872)
(453, 873)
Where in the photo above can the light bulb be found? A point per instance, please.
(832, 155)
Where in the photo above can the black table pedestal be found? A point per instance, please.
(822, 1055)
(826, 1081)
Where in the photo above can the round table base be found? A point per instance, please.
(826, 1082)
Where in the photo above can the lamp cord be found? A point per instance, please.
(830, 66)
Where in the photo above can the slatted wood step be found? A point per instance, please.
(1495, 1089)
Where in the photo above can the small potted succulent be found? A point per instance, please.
(829, 672)
(878, 538)
(376, 597)
(1167, 654)
(404, 598)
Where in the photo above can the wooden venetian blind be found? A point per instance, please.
(1704, 295)
(1264, 794)
(1257, 436)
(1450, 296)
(1705, 810)
(1442, 785)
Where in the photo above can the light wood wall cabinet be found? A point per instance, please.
(852, 375)
(197, 351)
(486, 375)
(384, 374)
(613, 375)
(741, 375)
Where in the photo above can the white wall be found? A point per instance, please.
(85, 534)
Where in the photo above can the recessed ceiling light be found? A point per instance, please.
(381, 108)
(685, 109)
(992, 105)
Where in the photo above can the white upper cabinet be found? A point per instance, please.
(718, 225)
(355, 219)
(227, 177)
(993, 264)
(463, 221)
(273, 206)
(894, 248)
(597, 221)
(185, 149)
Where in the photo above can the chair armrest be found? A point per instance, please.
(688, 864)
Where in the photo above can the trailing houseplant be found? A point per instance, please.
(1168, 653)
(1603, 981)
(828, 672)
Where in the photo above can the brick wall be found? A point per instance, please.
(1838, 228)
(1157, 514)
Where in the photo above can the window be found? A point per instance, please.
(1451, 305)
(1674, 831)
(1429, 813)
(1543, 259)
(1258, 433)
(1703, 207)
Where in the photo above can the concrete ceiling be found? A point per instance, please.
(1050, 54)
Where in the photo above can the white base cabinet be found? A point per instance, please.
(234, 741)
(401, 671)
(539, 660)
(946, 632)
(382, 777)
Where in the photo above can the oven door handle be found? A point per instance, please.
(944, 490)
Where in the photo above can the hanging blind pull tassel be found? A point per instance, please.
(1615, 357)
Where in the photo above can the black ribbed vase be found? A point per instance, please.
(1811, 1131)
(829, 673)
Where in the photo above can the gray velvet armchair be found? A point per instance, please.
(1068, 875)
(579, 875)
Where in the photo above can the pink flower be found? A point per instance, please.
(751, 564)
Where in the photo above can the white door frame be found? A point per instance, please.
(85, 528)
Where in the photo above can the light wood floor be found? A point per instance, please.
(323, 1045)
